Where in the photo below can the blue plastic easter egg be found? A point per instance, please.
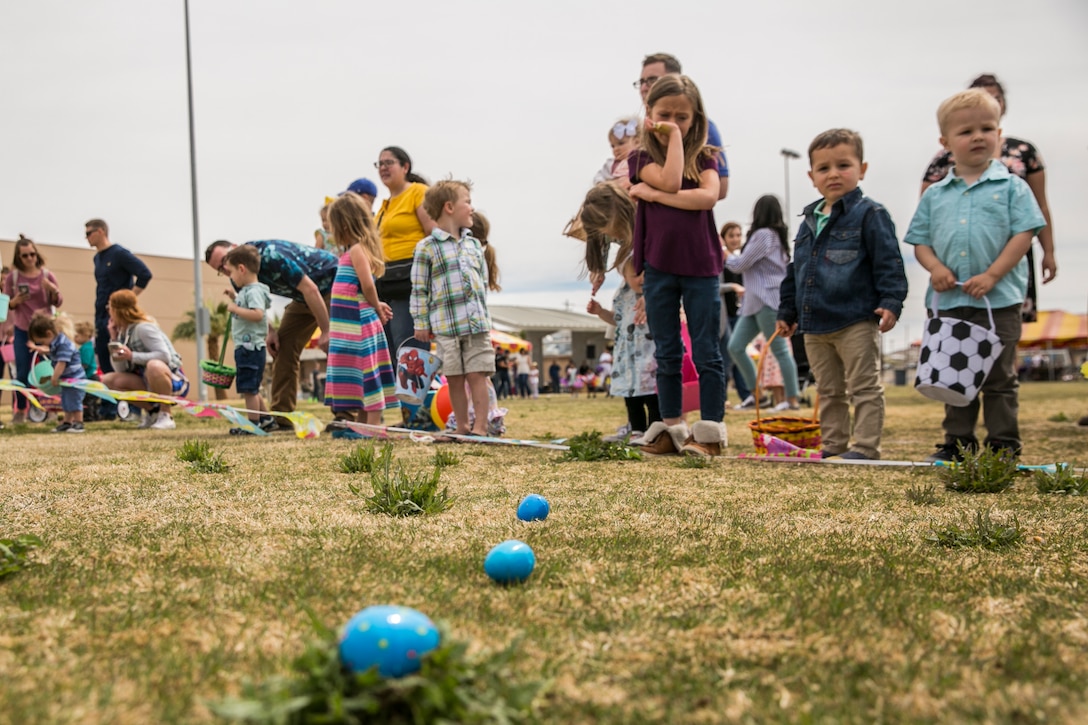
(533, 507)
(390, 637)
(510, 562)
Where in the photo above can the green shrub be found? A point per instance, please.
(590, 447)
(399, 493)
(199, 456)
(986, 471)
(1063, 480)
(983, 531)
(922, 495)
(445, 459)
(365, 459)
(14, 553)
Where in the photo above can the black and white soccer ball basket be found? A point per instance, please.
(955, 358)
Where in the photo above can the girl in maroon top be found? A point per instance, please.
(674, 176)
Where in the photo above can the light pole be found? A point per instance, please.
(787, 154)
(200, 315)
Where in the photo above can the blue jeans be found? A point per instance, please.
(747, 328)
(738, 379)
(106, 409)
(401, 328)
(22, 367)
(663, 294)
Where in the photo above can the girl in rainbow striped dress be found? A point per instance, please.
(359, 378)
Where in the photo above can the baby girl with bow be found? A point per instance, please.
(623, 137)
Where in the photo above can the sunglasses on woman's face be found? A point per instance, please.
(28, 255)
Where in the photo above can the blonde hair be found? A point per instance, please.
(695, 147)
(85, 329)
(964, 100)
(351, 223)
(445, 191)
(481, 230)
(607, 213)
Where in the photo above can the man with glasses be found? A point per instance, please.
(115, 268)
(304, 275)
(661, 64)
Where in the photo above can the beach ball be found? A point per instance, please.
(441, 407)
(510, 562)
(388, 637)
(533, 507)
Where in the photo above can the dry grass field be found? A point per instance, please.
(740, 592)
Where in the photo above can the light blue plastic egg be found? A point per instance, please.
(392, 638)
(533, 507)
(510, 562)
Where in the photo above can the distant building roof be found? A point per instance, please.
(542, 319)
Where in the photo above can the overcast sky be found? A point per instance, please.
(294, 100)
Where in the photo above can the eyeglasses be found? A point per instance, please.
(384, 163)
(644, 82)
(28, 255)
(89, 232)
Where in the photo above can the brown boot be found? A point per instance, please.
(656, 428)
(707, 438)
(668, 442)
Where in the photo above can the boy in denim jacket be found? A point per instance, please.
(971, 230)
(845, 285)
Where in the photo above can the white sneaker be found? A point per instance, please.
(145, 420)
(784, 405)
(164, 421)
(749, 402)
(620, 435)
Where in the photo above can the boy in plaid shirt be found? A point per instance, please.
(449, 300)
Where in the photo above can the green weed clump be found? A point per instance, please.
(366, 459)
(590, 447)
(987, 471)
(398, 493)
(199, 456)
(444, 459)
(695, 462)
(14, 553)
(922, 495)
(193, 450)
(1059, 418)
(1063, 480)
(984, 532)
(450, 687)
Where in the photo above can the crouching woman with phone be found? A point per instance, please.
(143, 359)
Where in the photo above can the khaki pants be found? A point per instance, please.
(846, 364)
(296, 329)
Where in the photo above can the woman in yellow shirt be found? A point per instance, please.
(402, 224)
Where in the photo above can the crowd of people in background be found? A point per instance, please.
(416, 271)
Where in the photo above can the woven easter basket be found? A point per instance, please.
(801, 432)
(215, 373)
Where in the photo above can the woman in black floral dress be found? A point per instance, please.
(1023, 160)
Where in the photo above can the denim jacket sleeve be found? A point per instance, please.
(889, 277)
(787, 297)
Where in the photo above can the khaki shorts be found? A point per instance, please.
(463, 355)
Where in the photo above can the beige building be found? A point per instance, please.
(168, 296)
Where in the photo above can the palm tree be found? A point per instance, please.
(186, 330)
